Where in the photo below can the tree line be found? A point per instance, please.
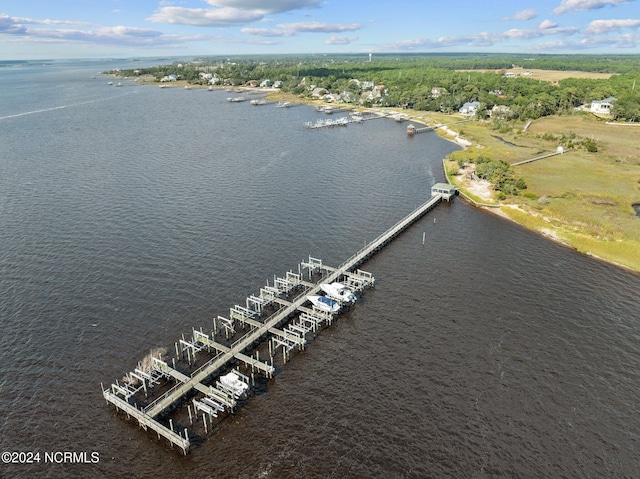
(409, 80)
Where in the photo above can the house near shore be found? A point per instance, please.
(318, 92)
(469, 108)
(437, 92)
(602, 107)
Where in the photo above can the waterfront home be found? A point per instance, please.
(437, 92)
(319, 92)
(602, 107)
(469, 108)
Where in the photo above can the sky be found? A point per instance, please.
(51, 29)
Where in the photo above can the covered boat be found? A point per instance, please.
(325, 304)
(339, 292)
(234, 382)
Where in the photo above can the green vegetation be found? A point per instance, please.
(583, 197)
(501, 175)
(428, 82)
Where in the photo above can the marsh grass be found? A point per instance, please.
(585, 197)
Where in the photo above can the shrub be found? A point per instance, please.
(591, 146)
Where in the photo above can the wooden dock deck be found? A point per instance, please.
(147, 417)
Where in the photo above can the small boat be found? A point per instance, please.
(323, 303)
(339, 292)
(283, 104)
(236, 99)
(258, 102)
(233, 382)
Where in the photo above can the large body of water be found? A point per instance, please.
(129, 215)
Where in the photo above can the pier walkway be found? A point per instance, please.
(220, 397)
(559, 151)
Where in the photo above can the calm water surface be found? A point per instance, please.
(129, 215)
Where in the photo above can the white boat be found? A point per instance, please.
(233, 382)
(283, 104)
(323, 303)
(236, 99)
(339, 292)
(259, 102)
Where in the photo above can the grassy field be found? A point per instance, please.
(553, 76)
(583, 199)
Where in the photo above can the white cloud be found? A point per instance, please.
(227, 12)
(339, 40)
(267, 32)
(585, 5)
(271, 6)
(291, 29)
(204, 17)
(598, 27)
(482, 39)
(525, 14)
(6, 21)
(121, 35)
(318, 27)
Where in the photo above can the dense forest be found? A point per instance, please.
(408, 80)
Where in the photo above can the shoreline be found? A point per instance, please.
(445, 132)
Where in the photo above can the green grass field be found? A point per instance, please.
(584, 198)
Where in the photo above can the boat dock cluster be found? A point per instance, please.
(354, 117)
(322, 123)
(412, 130)
(284, 314)
(213, 371)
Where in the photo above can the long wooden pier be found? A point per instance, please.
(218, 397)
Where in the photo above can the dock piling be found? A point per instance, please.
(289, 301)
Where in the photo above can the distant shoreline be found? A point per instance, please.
(475, 137)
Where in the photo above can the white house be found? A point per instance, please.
(469, 108)
(438, 91)
(602, 107)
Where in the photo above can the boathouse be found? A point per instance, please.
(446, 190)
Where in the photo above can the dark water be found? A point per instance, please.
(129, 215)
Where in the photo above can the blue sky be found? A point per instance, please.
(34, 29)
